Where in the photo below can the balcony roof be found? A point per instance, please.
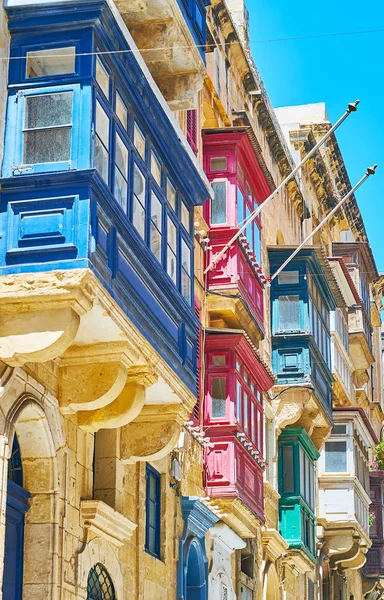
(345, 282)
(271, 379)
(363, 249)
(306, 253)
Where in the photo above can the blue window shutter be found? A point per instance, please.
(153, 512)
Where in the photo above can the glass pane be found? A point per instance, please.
(336, 457)
(156, 226)
(238, 401)
(121, 190)
(45, 63)
(171, 265)
(139, 141)
(186, 286)
(171, 194)
(102, 124)
(101, 159)
(102, 76)
(121, 155)
(152, 514)
(50, 110)
(138, 217)
(289, 313)
(219, 203)
(152, 540)
(339, 430)
(185, 217)
(240, 207)
(245, 412)
(219, 397)
(47, 145)
(186, 257)
(152, 488)
(288, 278)
(139, 185)
(172, 234)
(219, 163)
(121, 111)
(218, 360)
(155, 168)
(139, 201)
(288, 479)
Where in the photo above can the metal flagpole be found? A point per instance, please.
(370, 171)
(352, 107)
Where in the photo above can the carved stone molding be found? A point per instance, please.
(106, 522)
(273, 544)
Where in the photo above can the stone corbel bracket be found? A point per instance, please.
(163, 421)
(40, 314)
(106, 522)
(299, 406)
(346, 545)
(274, 545)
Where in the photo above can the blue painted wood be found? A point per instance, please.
(153, 511)
(297, 357)
(63, 216)
(192, 568)
(17, 506)
(194, 12)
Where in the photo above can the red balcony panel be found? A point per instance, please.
(232, 472)
(236, 270)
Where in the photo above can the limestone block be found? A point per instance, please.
(153, 434)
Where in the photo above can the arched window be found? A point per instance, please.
(99, 585)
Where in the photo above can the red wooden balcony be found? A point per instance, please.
(236, 378)
(241, 182)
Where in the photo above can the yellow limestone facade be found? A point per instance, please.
(92, 403)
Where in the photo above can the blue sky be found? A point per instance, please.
(335, 70)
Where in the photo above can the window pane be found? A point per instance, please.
(288, 278)
(156, 226)
(172, 234)
(186, 257)
(186, 286)
(101, 159)
(102, 77)
(219, 397)
(245, 409)
(138, 218)
(121, 190)
(121, 111)
(45, 63)
(46, 146)
(152, 540)
(288, 479)
(218, 360)
(102, 124)
(121, 155)
(339, 430)
(139, 141)
(171, 250)
(50, 110)
(238, 401)
(171, 194)
(155, 168)
(289, 312)
(336, 457)
(218, 164)
(185, 217)
(219, 203)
